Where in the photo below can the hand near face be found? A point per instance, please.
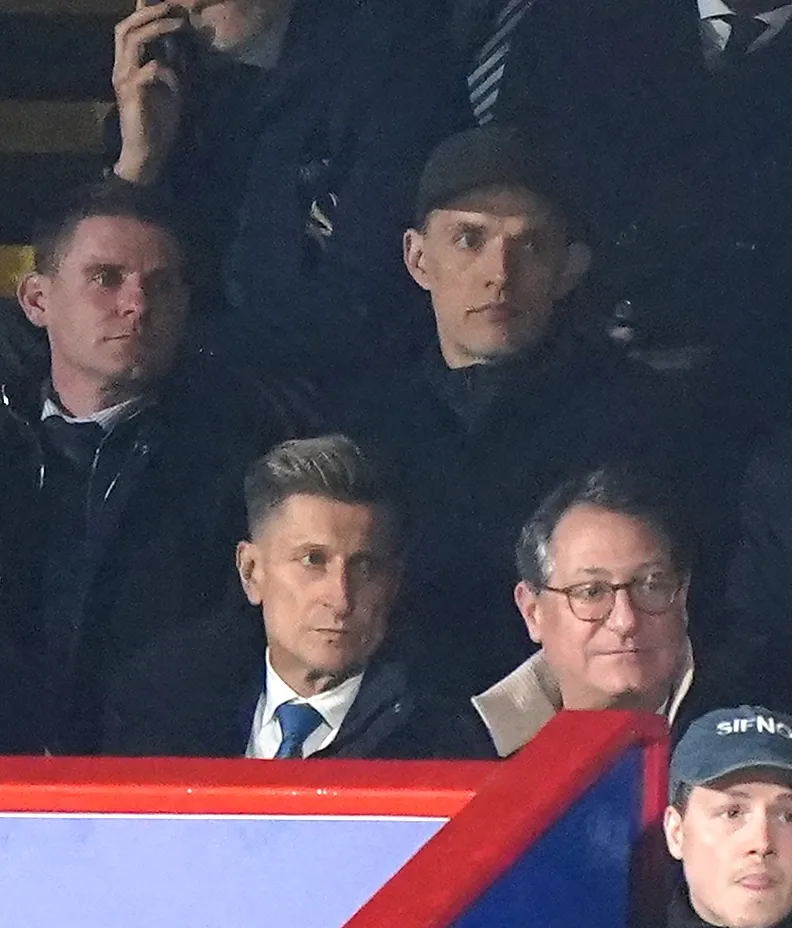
(149, 95)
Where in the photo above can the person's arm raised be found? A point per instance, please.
(147, 92)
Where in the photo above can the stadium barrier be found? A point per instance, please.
(563, 834)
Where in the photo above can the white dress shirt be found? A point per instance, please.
(332, 705)
(106, 418)
(715, 32)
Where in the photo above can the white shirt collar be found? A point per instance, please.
(106, 418)
(332, 704)
(713, 9)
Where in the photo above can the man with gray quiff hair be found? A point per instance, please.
(322, 561)
(331, 466)
(604, 565)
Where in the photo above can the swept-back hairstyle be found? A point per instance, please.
(617, 489)
(331, 466)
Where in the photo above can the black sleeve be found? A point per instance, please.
(758, 584)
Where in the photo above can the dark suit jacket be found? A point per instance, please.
(390, 719)
(705, 214)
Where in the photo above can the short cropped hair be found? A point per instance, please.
(332, 467)
(112, 197)
(681, 797)
(616, 489)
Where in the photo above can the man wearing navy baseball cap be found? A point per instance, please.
(729, 820)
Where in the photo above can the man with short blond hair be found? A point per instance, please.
(322, 563)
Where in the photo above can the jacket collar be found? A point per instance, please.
(516, 707)
(383, 696)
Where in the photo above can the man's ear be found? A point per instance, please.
(682, 595)
(576, 266)
(527, 602)
(32, 293)
(414, 257)
(247, 555)
(672, 826)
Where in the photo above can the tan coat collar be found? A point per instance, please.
(516, 707)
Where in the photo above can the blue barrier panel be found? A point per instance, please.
(107, 871)
(563, 835)
(581, 865)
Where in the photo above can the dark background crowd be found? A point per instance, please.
(500, 246)
(355, 298)
(287, 140)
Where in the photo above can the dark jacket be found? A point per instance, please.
(685, 173)
(476, 449)
(363, 89)
(390, 718)
(758, 591)
(700, 253)
(589, 81)
(163, 512)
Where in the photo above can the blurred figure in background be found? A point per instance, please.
(293, 143)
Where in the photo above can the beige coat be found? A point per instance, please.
(516, 707)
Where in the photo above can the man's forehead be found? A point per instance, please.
(304, 519)
(117, 239)
(750, 782)
(587, 533)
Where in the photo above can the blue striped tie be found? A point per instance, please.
(297, 721)
(484, 80)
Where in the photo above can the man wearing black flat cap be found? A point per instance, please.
(730, 820)
(518, 390)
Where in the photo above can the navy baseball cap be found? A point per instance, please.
(727, 740)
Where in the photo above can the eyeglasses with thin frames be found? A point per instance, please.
(594, 600)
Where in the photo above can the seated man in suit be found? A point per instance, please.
(122, 462)
(605, 568)
(729, 821)
(323, 562)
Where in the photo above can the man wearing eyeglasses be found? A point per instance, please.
(605, 568)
